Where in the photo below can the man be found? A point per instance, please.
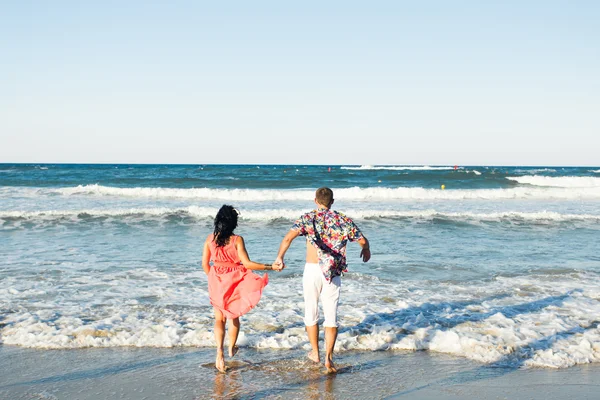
(327, 233)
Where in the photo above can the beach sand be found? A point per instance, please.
(188, 373)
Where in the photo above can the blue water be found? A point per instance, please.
(109, 255)
(272, 176)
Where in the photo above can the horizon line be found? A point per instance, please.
(307, 164)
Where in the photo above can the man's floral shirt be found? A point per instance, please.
(333, 231)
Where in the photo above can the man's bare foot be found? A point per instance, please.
(220, 362)
(314, 356)
(330, 366)
(233, 351)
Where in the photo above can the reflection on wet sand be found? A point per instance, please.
(227, 385)
(277, 377)
(321, 388)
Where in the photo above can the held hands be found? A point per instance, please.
(277, 266)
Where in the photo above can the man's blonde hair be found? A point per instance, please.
(324, 196)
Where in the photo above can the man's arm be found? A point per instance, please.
(365, 252)
(354, 234)
(285, 245)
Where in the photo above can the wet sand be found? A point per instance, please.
(189, 373)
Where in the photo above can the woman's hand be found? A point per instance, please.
(278, 266)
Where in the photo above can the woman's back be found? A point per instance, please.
(233, 289)
(227, 255)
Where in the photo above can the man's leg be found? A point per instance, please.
(330, 297)
(330, 338)
(313, 337)
(311, 283)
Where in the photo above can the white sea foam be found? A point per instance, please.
(199, 212)
(558, 181)
(290, 214)
(355, 193)
(533, 171)
(194, 193)
(399, 168)
(530, 321)
(596, 171)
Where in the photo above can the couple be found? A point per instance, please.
(234, 290)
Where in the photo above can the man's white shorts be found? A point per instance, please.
(316, 286)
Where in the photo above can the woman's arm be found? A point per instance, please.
(243, 254)
(206, 257)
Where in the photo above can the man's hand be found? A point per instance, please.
(278, 264)
(365, 254)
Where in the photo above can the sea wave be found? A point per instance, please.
(500, 322)
(400, 168)
(269, 215)
(533, 171)
(352, 194)
(558, 181)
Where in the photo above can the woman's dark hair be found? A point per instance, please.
(225, 223)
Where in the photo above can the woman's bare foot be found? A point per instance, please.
(314, 356)
(233, 351)
(220, 361)
(330, 366)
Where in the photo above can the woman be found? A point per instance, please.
(233, 289)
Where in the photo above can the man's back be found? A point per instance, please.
(327, 232)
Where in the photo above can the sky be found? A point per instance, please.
(276, 82)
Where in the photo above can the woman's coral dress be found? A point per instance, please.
(233, 289)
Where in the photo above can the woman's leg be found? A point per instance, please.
(234, 330)
(219, 338)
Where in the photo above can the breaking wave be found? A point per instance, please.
(584, 188)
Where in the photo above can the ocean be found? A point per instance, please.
(501, 266)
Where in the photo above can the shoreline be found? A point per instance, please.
(189, 373)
